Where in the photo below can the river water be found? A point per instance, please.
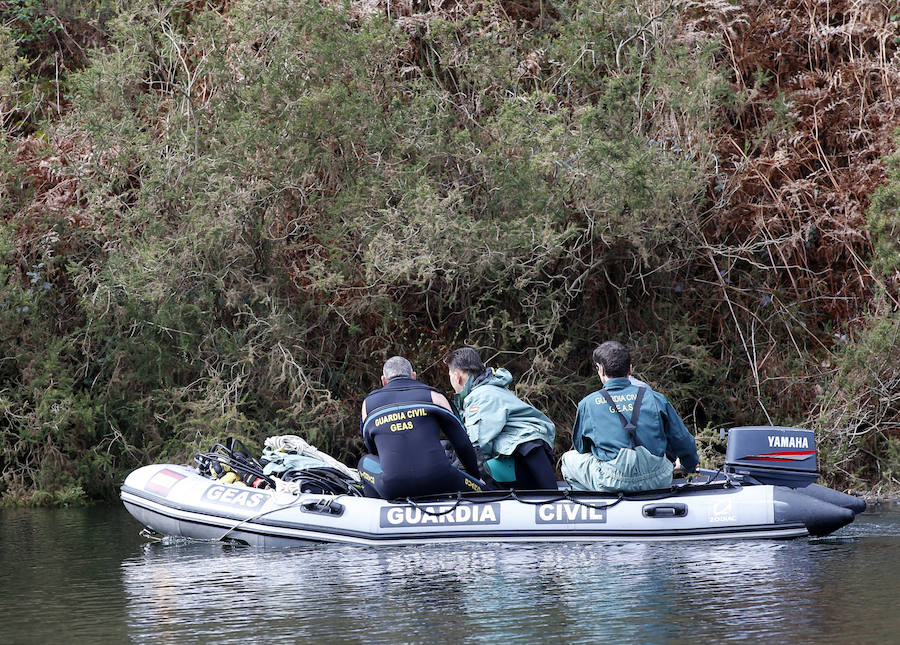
(86, 576)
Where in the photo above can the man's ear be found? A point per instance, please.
(384, 381)
(413, 376)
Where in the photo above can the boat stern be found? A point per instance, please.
(819, 517)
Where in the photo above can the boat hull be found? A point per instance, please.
(177, 501)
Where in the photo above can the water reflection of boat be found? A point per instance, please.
(838, 590)
(765, 491)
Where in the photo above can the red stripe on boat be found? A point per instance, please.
(162, 482)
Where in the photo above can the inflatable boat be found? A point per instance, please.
(765, 490)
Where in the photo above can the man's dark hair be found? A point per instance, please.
(614, 358)
(465, 359)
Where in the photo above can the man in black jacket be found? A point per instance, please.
(402, 424)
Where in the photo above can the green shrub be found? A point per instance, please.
(883, 220)
(273, 197)
(857, 415)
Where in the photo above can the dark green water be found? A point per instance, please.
(85, 576)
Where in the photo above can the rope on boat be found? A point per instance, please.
(566, 495)
(253, 518)
(509, 495)
(428, 511)
(597, 507)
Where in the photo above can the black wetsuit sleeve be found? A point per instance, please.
(457, 436)
(370, 443)
(367, 437)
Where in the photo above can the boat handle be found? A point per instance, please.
(665, 510)
(323, 506)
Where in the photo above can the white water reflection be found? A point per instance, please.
(510, 593)
(85, 576)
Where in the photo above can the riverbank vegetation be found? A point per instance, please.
(220, 217)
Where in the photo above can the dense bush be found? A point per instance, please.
(247, 206)
(859, 412)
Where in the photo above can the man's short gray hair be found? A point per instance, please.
(397, 367)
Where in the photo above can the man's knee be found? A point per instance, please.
(537, 467)
(576, 469)
(369, 469)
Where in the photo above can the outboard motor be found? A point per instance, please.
(782, 457)
(772, 455)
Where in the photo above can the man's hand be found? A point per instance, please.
(678, 471)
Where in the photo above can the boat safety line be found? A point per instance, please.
(728, 482)
(428, 511)
(511, 495)
(567, 497)
(271, 510)
(564, 496)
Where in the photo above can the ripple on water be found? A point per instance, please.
(89, 572)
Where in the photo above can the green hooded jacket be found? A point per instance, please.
(496, 419)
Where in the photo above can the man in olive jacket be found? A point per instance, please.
(515, 438)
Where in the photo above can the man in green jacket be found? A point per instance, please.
(515, 438)
(624, 431)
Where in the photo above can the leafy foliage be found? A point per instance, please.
(240, 209)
